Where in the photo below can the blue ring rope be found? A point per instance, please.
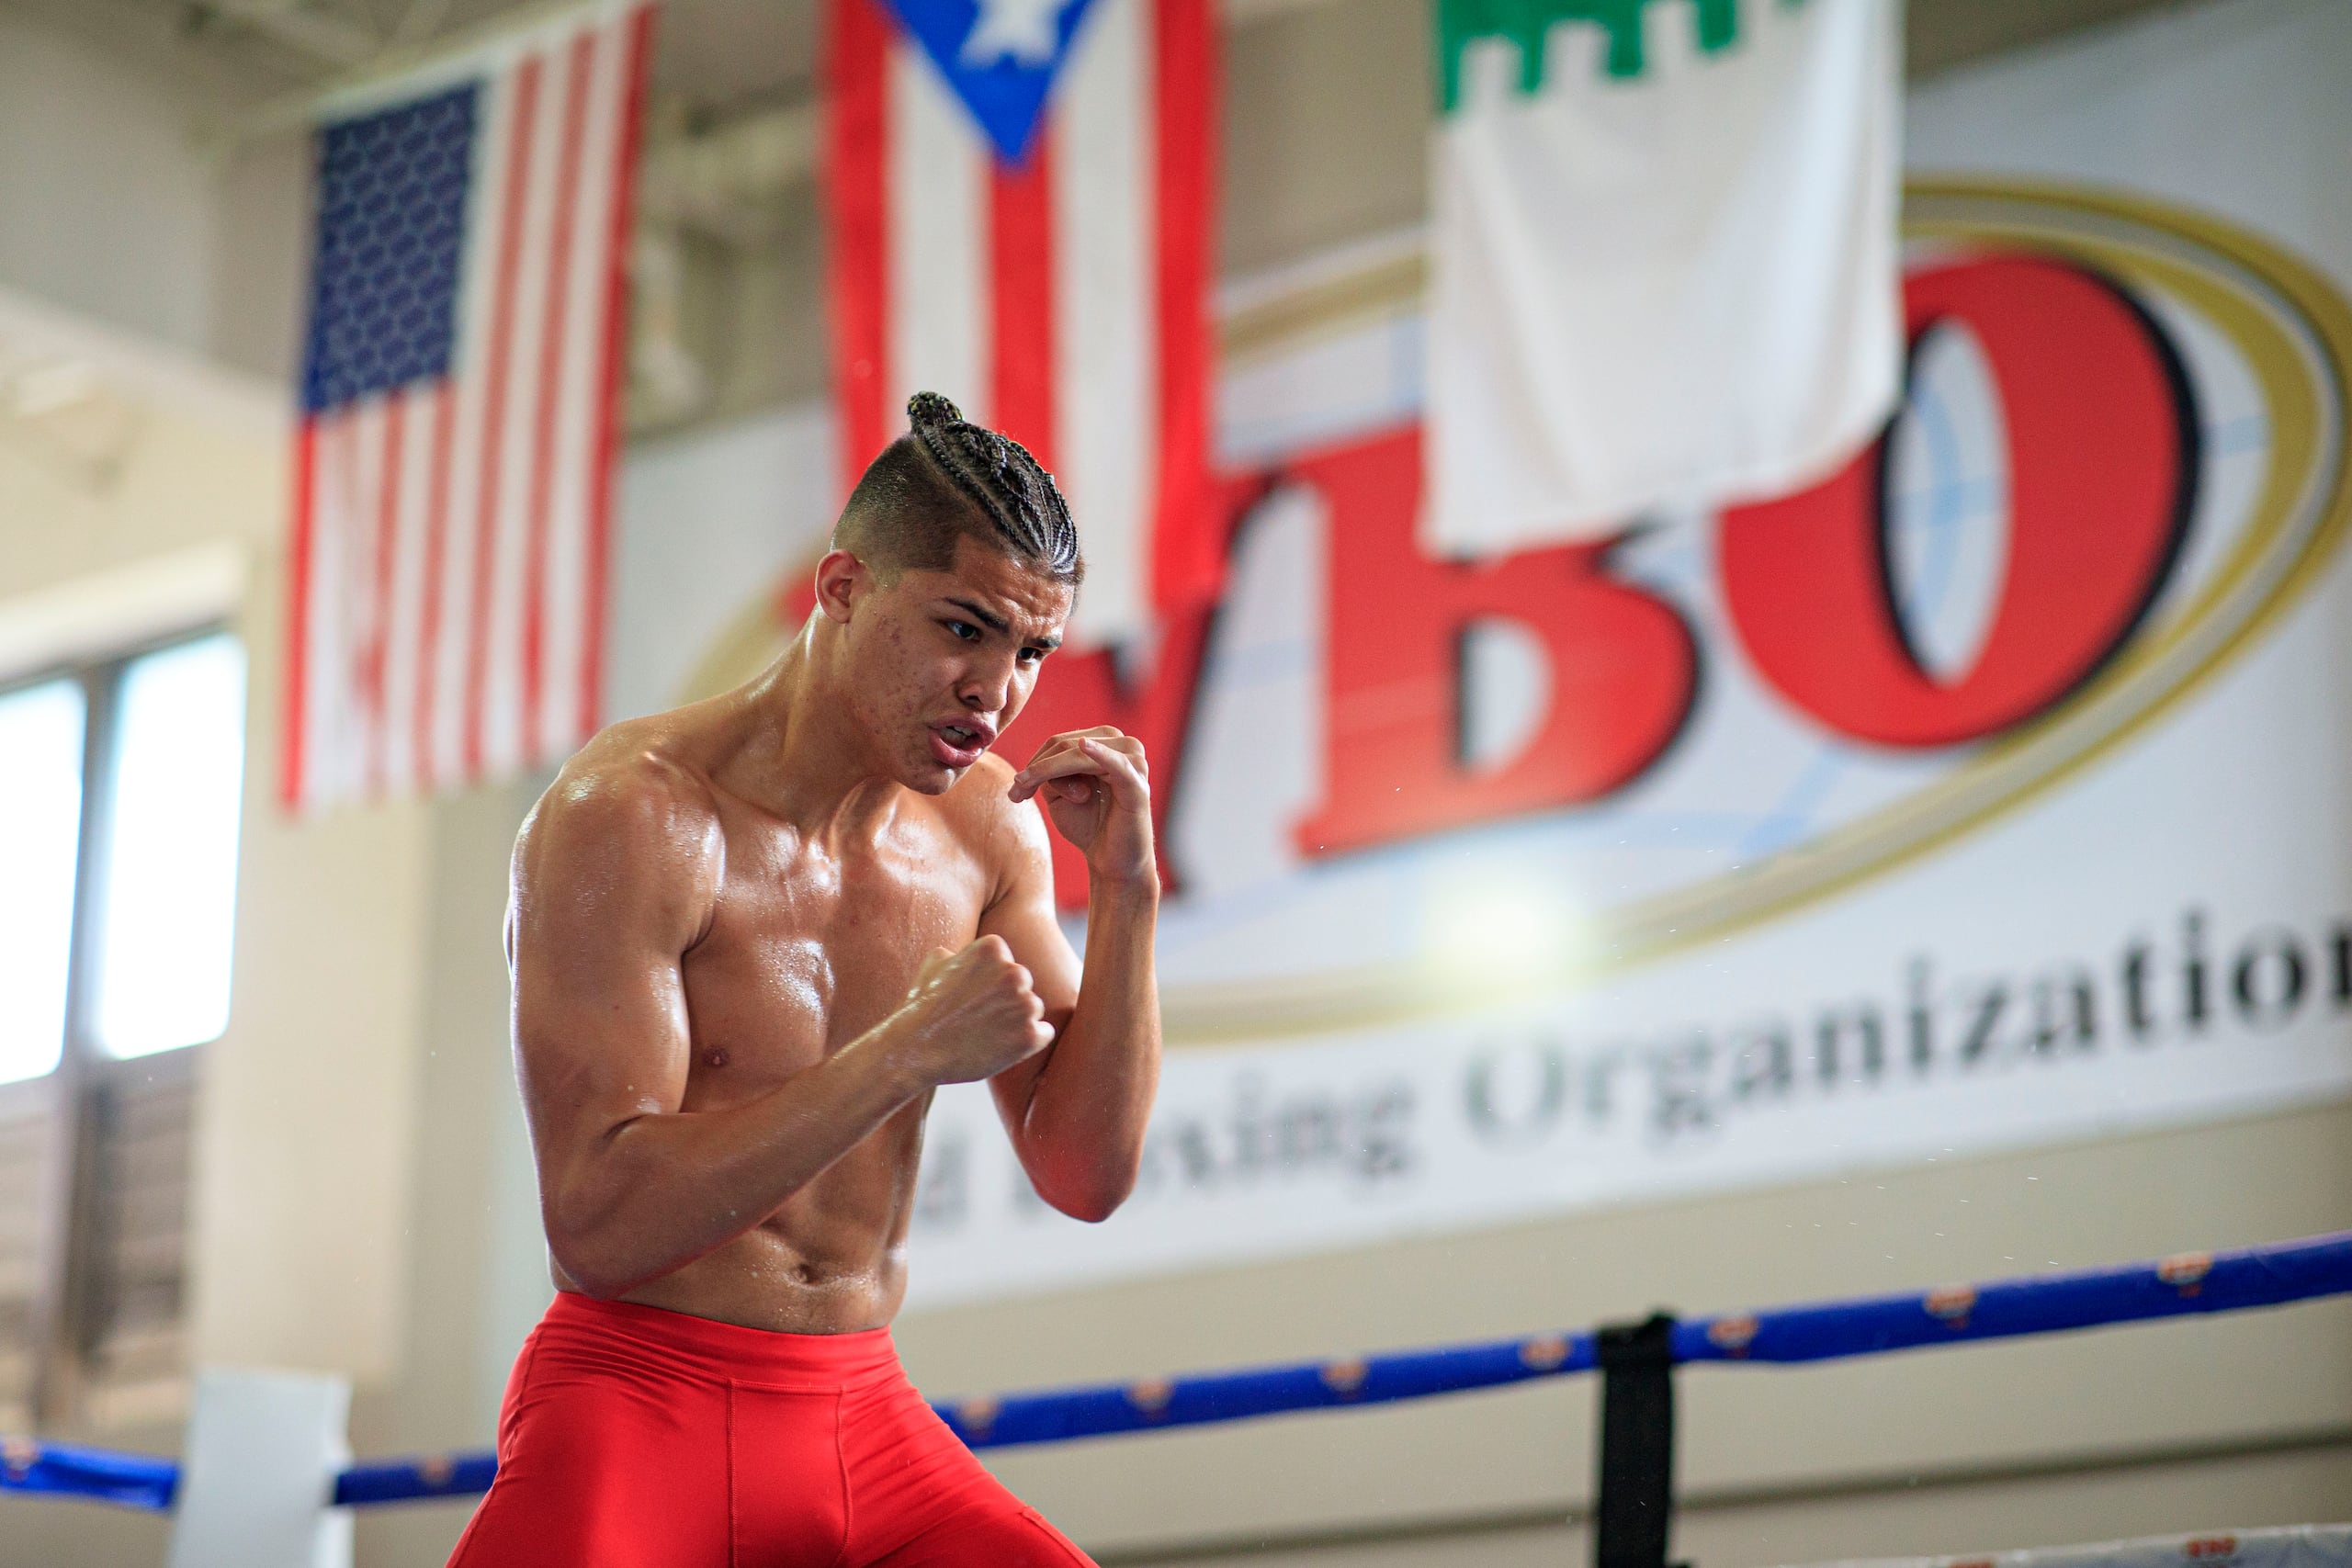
(68, 1469)
(2048, 1304)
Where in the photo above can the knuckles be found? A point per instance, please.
(992, 969)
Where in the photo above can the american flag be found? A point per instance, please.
(452, 466)
(1019, 204)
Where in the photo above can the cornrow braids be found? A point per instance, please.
(1000, 477)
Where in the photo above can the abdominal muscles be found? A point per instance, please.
(831, 1260)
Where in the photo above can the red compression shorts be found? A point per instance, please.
(634, 1437)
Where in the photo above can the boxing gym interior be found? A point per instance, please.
(1718, 633)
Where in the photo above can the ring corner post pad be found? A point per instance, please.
(1635, 1509)
(257, 1481)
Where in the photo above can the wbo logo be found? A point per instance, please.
(2133, 417)
(2120, 458)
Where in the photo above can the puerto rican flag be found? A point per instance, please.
(1020, 203)
(458, 414)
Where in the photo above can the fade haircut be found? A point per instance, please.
(948, 479)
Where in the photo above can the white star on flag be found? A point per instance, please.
(1035, 239)
(1028, 30)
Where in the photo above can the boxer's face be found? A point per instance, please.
(940, 662)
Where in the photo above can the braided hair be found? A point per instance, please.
(947, 478)
(1006, 482)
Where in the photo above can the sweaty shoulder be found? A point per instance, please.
(630, 821)
(1008, 838)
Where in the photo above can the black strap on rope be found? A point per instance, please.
(1637, 1444)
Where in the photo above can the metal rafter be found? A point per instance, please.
(333, 40)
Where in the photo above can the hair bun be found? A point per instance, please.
(1004, 479)
(932, 409)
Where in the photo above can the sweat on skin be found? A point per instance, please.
(749, 937)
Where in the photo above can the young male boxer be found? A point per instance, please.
(749, 939)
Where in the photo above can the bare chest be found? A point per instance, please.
(809, 946)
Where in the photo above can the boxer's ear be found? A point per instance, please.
(841, 580)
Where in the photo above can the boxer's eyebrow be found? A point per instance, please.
(994, 623)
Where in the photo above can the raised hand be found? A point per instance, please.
(972, 1014)
(1097, 788)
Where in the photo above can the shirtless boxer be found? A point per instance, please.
(749, 939)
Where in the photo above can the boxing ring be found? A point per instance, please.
(1637, 1361)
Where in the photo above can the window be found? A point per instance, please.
(171, 866)
(119, 789)
(40, 815)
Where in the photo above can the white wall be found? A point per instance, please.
(706, 520)
(104, 159)
(113, 206)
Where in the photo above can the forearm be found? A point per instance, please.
(659, 1190)
(1082, 1134)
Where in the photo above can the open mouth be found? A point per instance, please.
(959, 745)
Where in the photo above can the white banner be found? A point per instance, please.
(1662, 257)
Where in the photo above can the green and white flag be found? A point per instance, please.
(1665, 269)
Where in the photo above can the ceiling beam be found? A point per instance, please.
(330, 41)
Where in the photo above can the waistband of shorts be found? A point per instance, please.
(721, 1351)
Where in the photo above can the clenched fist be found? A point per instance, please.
(972, 1014)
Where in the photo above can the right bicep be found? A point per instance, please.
(611, 888)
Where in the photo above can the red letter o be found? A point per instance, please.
(2102, 471)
